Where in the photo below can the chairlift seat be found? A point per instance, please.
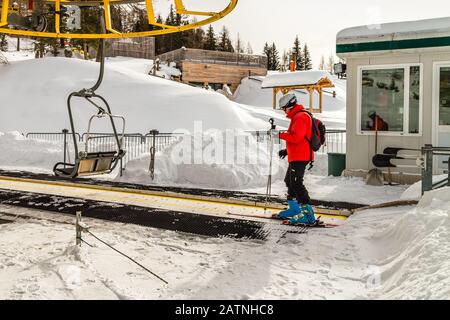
(88, 164)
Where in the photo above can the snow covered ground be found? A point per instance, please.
(147, 102)
(398, 253)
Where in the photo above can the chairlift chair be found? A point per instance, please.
(93, 163)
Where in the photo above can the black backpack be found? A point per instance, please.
(318, 136)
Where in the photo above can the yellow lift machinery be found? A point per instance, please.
(23, 17)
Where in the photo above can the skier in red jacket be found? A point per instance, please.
(299, 154)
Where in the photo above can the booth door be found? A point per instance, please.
(443, 105)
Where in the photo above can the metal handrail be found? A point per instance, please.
(428, 154)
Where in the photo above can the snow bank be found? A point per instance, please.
(413, 251)
(429, 28)
(143, 66)
(19, 152)
(39, 103)
(414, 192)
(209, 165)
(297, 78)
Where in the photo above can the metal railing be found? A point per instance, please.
(50, 136)
(428, 154)
(262, 136)
(135, 144)
(336, 141)
(216, 57)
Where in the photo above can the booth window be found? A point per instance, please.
(414, 99)
(390, 99)
(444, 103)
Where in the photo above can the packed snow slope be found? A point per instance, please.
(33, 96)
(397, 253)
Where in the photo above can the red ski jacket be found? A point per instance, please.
(297, 146)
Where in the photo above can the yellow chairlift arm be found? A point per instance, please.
(180, 9)
(210, 17)
(4, 12)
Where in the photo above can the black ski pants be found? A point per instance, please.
(294, 182)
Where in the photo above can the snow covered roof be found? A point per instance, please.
(297, 78)
(398, 35)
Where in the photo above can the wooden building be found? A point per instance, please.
(215, 68)
(143, 48)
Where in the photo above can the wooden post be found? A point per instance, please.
(78, 228)
(320, 99)
(311, 99)
(275, 98)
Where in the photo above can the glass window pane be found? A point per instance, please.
(414, 99)
(382, 101)
(444, 97)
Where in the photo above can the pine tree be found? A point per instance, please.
(239, 44)
(116, 18)
(322, 63)
(229, 47)
(90, 23)
(160, 44)
(198, 38)
(169, 39)
(141, 17)
(275, 58)
(268, 53)
(297, 55)
(179, 37)
(285, 61)
(330, 64)
(3, 42)
(307, 58)
(225, 41)
(171, 18)
(210, 39)
(249, 48)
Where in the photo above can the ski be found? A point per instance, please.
(317, 224)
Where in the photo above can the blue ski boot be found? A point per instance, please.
(294, 209)
(306, 215)
(309, 212)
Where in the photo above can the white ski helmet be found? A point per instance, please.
(288, 101)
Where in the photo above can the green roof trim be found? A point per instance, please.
(393, 45)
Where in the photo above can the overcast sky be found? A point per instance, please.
(316, 22)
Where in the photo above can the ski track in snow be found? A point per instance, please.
(376, 254)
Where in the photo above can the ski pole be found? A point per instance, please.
(269, 180)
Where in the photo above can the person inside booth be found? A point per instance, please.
(377, 123)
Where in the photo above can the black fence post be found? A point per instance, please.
(65, 132)
(427, 170)
(153, 133)
(448, 172)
